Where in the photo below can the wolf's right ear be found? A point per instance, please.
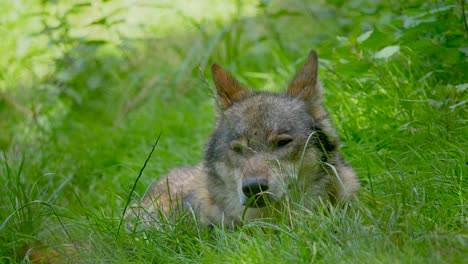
(228, 88)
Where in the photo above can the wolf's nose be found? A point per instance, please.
(254, 186)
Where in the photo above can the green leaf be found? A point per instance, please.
(462, 87)
(410, 22)
(364, 36)
(387, 52)
(452, 107)
(283, 13)
(375, 40)
(95, 42)
(352, 68)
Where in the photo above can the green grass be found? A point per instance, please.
(81, 106)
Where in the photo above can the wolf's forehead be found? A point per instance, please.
(267, 114)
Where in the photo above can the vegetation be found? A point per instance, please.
(87, 86)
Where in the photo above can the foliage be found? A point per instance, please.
(86, 87)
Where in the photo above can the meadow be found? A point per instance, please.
(86, 87)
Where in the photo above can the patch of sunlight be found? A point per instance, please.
(140, 19)
(22, 24)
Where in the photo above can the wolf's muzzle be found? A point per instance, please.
(255, 191)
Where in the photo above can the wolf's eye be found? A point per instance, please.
(236, 146)
(283, 142)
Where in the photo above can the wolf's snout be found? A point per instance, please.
(254, 186)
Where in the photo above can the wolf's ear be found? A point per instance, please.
(304, 84)
(228, 88)
(306, 87)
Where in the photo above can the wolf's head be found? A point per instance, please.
(263, 141)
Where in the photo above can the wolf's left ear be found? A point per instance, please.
(304, 85)
(228, 88)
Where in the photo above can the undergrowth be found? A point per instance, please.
(86, 88)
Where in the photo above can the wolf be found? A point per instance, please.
(263, 145)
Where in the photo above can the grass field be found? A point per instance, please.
(86, 87)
